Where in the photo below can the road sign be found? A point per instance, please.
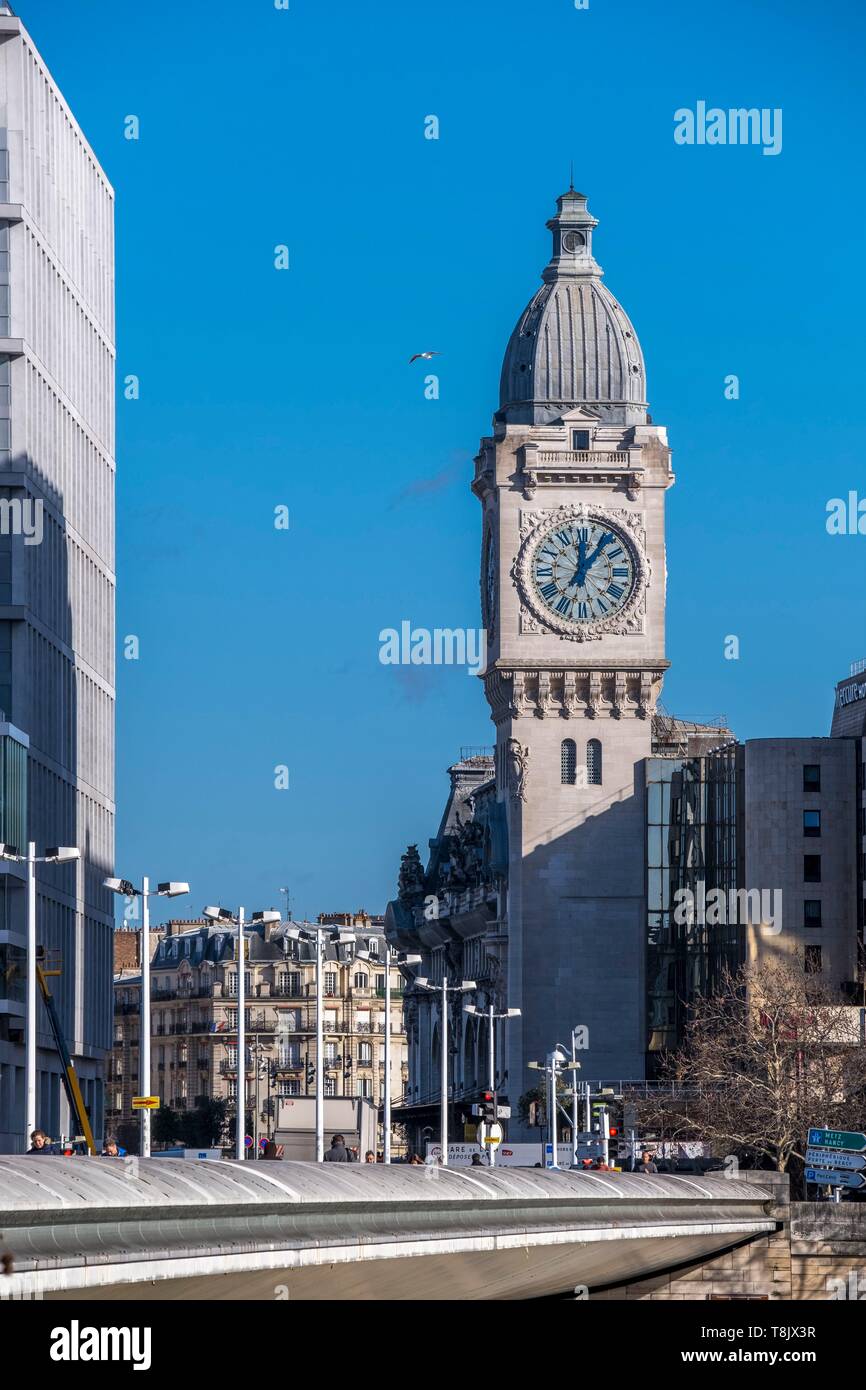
(145, 1102)
(248, 1141)
(490, 1133)
(838, 1139)
(831, 1177)
(834, 1158)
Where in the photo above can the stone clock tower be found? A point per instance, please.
(572, 486)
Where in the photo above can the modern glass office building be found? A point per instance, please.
(57, 578)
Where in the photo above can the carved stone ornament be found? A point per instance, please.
(518, 768)
(535, 617)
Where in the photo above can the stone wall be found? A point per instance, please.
(818, 1252)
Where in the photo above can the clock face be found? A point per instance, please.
(584, 571)
(490, 580)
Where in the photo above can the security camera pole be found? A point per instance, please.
(125, 889)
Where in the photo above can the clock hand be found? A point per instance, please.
(579, 573)
(598, 549)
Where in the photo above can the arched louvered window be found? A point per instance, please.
(593, 762)
(569, 762)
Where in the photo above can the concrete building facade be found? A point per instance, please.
(57, 579)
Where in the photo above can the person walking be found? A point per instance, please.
(647, 1163)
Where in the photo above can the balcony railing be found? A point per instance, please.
(162, 992)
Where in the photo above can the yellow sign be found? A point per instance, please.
(145, 1102)
(492, 1139)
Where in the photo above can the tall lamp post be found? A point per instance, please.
(317, 932)
(58, 854)
(492, 1017)
(125, 889)
(392, 958)
(224, 914)
(465, 987)
(556, 1062)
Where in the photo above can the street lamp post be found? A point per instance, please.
(392, 958)
(555, 1062)
(575, 1067)
(464, 987)
(316, 931)
(58, 854)
(490, 1014)
(223, 914)
(125, 889)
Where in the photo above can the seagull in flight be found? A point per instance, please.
(416, 355)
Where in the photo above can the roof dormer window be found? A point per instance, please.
(580, 439)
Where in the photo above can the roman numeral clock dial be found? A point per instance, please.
(584, 572)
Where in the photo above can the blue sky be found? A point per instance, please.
(262, 127)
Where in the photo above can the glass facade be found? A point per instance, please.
(692, 849)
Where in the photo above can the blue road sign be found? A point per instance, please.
(831, 1177)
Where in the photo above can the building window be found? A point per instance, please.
(289, 983)
(813, 960)
(811, 777)
(364, 1087)
(330, 1085)
(380, 983)
(811, 868)
(568, 762)
(331, 1053)
(812, 913)
(360, 980)
(232, 983)
(580, 439)
(330, 982)
(365, 1053)
(290, 1087)
(811, 822)
(593, 762)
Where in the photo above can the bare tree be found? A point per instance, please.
(768, 1055)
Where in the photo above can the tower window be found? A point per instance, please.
(811, 822)
(569, 762)
(593, 762)
(811, 868)
(812, 913)
(580, 439)
(812, 777)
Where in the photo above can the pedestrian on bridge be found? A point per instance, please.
(338, 1153)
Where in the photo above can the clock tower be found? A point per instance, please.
(572, 487)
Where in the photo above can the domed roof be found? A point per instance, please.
(573, 344)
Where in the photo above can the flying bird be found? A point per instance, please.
(416, 355)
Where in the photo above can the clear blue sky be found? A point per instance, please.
(305, 127)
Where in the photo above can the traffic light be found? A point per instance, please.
(485, 1108)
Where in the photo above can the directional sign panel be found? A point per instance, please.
(831, 1177)
(837, 1139)
(145, 1102)
(835, 1158)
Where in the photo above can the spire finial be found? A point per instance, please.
(571, 177)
